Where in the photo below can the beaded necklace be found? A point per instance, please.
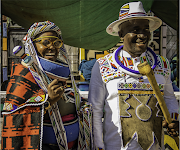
(131, 71)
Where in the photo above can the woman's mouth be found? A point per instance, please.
(50, 56)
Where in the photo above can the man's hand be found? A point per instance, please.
(55, 91)
(172, 128)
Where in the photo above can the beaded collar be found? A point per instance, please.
(131, 71)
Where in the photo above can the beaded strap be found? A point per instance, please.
(43, 80)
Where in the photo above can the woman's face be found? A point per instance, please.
(50, 52)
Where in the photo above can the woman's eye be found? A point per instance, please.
(45, 42)
(56, 43)
(38, 40)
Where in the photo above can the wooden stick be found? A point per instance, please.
(145, 69)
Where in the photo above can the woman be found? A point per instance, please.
(34, 88)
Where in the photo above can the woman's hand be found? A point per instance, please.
(55, 91)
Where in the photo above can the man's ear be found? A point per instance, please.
(120, 34)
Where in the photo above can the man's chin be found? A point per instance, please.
(141, 49)
(138, 52)
(141, 46)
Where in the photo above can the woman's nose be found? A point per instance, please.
(51, 46)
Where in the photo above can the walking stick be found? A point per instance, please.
(145, 69)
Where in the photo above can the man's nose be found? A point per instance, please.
(141, 35)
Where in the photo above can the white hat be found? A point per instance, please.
(129, 11)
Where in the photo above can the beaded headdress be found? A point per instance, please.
(40, 27)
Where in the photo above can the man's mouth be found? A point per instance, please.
(140, 42)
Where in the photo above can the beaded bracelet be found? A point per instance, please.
(49, 105)
(46, 108)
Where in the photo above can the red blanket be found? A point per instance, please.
(21, 129)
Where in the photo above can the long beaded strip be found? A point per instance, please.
(85, 126)
(55, 116)
(53, 113)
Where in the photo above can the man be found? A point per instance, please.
(132, 118)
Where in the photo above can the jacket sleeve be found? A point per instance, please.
(97, 95)
(169, 97)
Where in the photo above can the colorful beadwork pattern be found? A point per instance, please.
(133, 100)
(33, 101)
(138, 86)
(124, 10)
(124, 13)
(163, 66)
(175, 116)
(85, 127)
(110, 71)
(39, 27)
(22, 80)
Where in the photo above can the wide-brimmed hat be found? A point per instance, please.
(129, 11)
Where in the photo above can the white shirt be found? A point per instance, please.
(103, 97)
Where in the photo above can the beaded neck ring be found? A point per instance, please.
(134, 72)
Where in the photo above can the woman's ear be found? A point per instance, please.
(34, 43)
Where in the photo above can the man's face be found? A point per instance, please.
(136, 36)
